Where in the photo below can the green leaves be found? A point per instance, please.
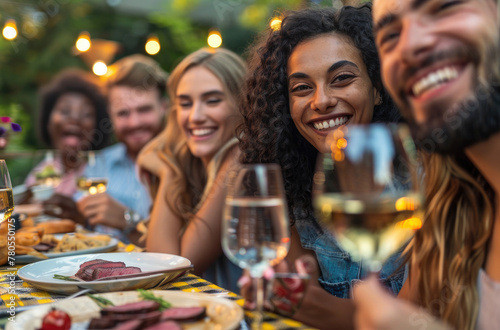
(146, 295)
(102, 302)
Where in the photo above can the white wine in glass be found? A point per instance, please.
(367, 191)
(94, 179)
(255, 228)
(6, 196)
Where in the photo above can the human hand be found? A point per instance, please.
(102, 209)
(285, 290)
(378, 309)
(61, 206)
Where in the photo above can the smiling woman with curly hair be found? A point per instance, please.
(319, 71)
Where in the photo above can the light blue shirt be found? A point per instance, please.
(123, 183)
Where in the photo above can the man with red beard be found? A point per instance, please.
(137, 109)
(440, 62)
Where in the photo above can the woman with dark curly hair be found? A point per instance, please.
(72, 118)
(319, 71)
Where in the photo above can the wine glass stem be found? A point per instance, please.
(259, 302)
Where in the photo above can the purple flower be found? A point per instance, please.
(2, 131)
(15, 127)
(5, 119)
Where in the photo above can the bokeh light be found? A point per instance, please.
(9, 31)
(83, 43)
(214, 39)
(152, 45)
(275, 24)
(99, 68)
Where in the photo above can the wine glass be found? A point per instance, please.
(6, 196)
(367, 191)
(94, 178)
(255, 228)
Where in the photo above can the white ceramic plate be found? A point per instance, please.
(223, 313)
(41, 274)
(26, 259)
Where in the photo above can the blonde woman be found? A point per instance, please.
(189, 161)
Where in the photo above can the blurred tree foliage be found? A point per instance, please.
(48, 30)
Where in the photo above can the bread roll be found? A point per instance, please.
(57, 226)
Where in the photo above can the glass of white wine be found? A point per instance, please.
(255, 228)
(94, 178)
(367, 191)
(6, 196)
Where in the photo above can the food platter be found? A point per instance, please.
(41, 274)
(222, 313)
(26, 258)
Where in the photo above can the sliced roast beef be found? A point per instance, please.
(166, 325)
(184, 314)
(111, 320)
(91, 262)
(143, 306)
(87, 272)
(100, 272)
(129, 325)
(102, 322)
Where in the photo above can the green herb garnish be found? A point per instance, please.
(102, 302)
(146, 295)
(64, 278)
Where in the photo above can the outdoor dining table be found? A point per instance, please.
(26, 295)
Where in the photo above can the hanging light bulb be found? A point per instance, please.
(9, 31)
(275, 24)
(152, 45)
(83, 42)
(214, 39)
(99, 68)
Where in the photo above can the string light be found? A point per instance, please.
(214, 39)
(83, 42)
(9, 31)
(152, 45)
(100, 68)
(275, 24)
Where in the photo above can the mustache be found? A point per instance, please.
(457, 53)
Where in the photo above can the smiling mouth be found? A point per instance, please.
(329, 124)
(199, 132)
(435, 79)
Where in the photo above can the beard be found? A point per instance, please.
(471, 120)
(468, 122)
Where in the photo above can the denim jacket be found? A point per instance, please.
(338, 273)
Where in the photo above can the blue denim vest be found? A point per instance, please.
(338, 273)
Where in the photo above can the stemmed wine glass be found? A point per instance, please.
(255, 228)
(6, 196)
(366, 191)
(94, 179)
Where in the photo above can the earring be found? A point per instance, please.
(379, 101)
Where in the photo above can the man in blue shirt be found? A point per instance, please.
(137, 109)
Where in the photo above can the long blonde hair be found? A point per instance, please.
(451, 247)
(191, 180)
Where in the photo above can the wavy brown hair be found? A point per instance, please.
(268, 134)
(449, 250)
(191, 180)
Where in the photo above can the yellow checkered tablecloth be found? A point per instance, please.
(12, 288)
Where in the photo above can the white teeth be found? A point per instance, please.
(202, 131)
(330, 124)
(434, 79)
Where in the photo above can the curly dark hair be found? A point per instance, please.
(74, 81)
(268, 134)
